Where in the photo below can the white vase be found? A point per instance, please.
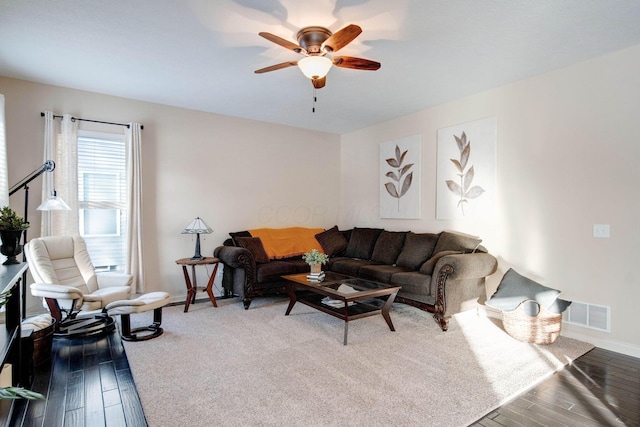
(315, 268)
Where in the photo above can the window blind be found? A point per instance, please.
(102, 198)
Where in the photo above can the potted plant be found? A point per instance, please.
(12, 227)
(315, 259)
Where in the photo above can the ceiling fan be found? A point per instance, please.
(315, 43)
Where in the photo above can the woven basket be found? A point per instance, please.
(544, 328)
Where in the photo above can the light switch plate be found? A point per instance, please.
(601, 231)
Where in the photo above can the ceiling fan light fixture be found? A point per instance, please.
(315, 67)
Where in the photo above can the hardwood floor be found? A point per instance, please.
(90, 384)
(601, 388)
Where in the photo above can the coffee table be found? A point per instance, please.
(350, 298)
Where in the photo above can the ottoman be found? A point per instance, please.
(151, 301)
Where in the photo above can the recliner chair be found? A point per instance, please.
(65, 277)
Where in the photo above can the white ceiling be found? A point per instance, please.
(201, 54)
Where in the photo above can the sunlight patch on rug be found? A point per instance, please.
(492, 348)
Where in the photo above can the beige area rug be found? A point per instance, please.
(231, 367)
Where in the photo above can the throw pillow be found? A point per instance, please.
(515, 288)
(362, 242)
(254, 245)
(430, 264)
(332, 241)
(388, 247)
(449, 241)
(236, 234)
(417, 249)
(559, 305)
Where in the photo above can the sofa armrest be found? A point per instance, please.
(458, 281)
(239, 273)
(468, 266)
(235, 257)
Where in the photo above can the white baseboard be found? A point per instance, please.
(618, 347)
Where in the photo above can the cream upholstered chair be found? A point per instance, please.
(64, 276)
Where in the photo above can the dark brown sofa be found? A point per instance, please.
(443, 273)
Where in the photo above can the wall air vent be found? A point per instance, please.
(588, 315)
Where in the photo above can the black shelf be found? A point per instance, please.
(10, 343)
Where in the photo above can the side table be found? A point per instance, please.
(192, 284)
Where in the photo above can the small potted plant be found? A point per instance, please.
(315, 259)
(12, 227)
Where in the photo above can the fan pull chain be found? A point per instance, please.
(315, 99)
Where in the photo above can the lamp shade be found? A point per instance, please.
(315, 67)
(197, 226)
(53, 203)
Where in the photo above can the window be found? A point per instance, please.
(102, 198)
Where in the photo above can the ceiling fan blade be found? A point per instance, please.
(276, 67)
(341, 38)
(282, 42)
(319, 83)
(355, 63)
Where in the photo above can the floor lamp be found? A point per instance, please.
(53, 203)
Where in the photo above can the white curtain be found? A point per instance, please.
(134, 266)
(61, 146)
(4, 176)
(65, 183)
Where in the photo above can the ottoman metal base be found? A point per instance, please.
(152, 331)
(151, 301)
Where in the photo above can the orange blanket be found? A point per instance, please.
(287, 242)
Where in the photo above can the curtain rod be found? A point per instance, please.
(73, 119)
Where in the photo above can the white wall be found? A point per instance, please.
(234, 173)
(568, 147)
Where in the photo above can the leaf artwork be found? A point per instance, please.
(399, 187)
(464, 190)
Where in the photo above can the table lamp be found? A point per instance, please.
(197, 227)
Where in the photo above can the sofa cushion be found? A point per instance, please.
(349, 266)
(428, 266)
(299, 264)
(254, 245)
(332, 241)
(449, 241)
(412, 282)
(379, 273)
(362, 242)
(417, 249)
(272, 271)
(388, 247)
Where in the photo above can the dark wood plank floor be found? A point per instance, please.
(90, 384)
(601, 388)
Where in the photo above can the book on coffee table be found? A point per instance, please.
(316, 277)
(335, 303)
